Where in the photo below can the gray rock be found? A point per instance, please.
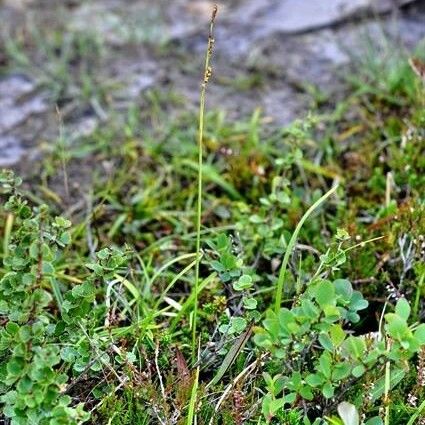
(295, 16)
(18, 102)
(116, 25)
(11, 151)
(83, 128)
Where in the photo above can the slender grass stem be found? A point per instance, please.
(418, 296)
(291, 244)
(191, 416)
(416, 414)
(207, 75)
(62, 152)
(7, 234)
(387, 389)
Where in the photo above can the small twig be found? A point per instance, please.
(158, 371)
(226, 392)
(99, 354)
(96, 407)
(155, 409)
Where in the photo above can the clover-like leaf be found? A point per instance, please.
(328, 390)
(343, 288)
(250, 303)
(397, 327)
(403, 308)
(243, 283)
(357, 301)
(354, 346)
(325, 293)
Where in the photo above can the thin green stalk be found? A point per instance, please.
(387, 387)
(418, 295)
(387, 392)
(361, 244)
(62, 152)
(168, 264)
(7, 234)
(57, 292)
(193, 397)
(207, 75)
(291, 244)
(176, 278)
(416, 414)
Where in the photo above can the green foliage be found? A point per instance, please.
(125, 410)
(318, 354)
(34, 382)
(112, 330)
(32, 390)
(239, 281)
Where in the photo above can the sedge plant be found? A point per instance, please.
(207, 76)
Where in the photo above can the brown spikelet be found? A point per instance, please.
(210, 48)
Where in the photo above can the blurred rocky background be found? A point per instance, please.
(74, 65)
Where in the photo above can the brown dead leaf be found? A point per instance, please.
(183, 372)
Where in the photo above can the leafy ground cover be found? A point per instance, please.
(303, 305)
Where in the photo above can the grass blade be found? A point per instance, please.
(291, 244)
(193, 397)
(379, 388)
(416, 414)
(7, 234)
(209, 173)
(231, 356)
(57, 292)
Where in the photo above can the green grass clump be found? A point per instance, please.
(258, 276)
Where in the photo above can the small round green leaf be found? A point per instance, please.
(358, 371)
(243, 283)
(403, 308)
(325, 293)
